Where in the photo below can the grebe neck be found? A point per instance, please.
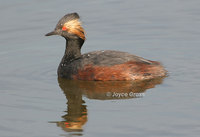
(73, 50)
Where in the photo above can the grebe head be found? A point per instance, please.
(69, 27)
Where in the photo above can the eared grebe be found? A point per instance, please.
(99, 65)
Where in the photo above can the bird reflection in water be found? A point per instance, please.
(76, 114)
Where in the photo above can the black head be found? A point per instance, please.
(69, 27)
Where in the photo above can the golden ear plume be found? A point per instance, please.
(75, 27)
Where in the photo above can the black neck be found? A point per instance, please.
(73, 50)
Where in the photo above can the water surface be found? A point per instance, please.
(33, 102)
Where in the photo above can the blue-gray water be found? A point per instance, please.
(34, 104)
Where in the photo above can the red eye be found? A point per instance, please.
(64, 28)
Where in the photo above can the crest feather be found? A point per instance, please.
(75, 27)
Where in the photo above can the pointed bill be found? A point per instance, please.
(51, 33)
